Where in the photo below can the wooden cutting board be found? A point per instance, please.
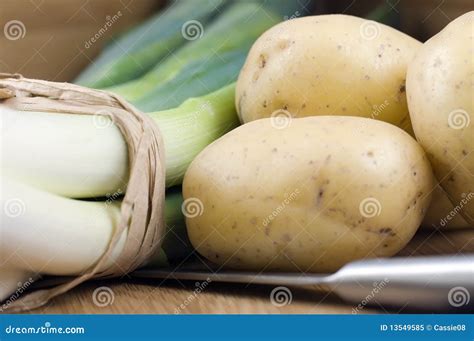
(157, 297)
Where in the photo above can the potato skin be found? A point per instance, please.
(327, 65)
(295, 198)
(440, 85)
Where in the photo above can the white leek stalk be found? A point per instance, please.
(82, 156)
(43, 233)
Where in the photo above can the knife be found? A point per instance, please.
(439, 283)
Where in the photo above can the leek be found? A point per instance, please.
(236, 29)
(135, 52)
(81, 156)
(197, 78)
(43, 233)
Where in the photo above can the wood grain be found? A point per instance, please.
(151, 297)
(433, 242)
(157, 297)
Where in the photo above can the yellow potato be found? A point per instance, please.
(327, 65)
(440, 85)
(310, 196)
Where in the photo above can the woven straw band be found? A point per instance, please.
(143, 204)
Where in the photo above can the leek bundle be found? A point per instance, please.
(85, 156)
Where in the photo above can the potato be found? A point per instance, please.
(309, 197)
(440, 85)
(441, 213)
(327, 65)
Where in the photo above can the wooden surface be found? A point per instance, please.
(50, 40)
(157, 297)
(430, 242)
(146, 297)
